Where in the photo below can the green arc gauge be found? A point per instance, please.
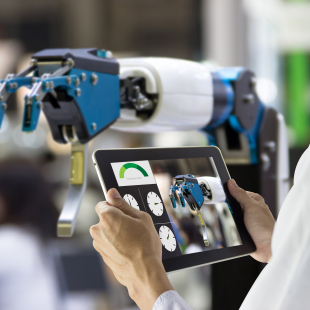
(131, 165)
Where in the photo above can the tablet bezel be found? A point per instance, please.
(103, 158)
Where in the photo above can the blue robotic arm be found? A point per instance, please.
(84, 91)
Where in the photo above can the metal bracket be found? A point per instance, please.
(78, 180)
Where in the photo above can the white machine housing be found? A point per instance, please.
(215, 186)
(184, 89)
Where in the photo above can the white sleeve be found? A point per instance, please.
(284, 283)
(170, 300)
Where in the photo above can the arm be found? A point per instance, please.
(129, 244)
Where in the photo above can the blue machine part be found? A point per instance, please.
(11, 86)
(251, 134)
(98, 103)
(187, 190)
(18, 82)
(196, 192)
(31, 113)
(228, 75)
(2, 111)
(182, 200)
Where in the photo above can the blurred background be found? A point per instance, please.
(270, 37)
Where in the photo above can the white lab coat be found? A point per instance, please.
(284, 284)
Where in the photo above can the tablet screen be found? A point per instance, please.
(185, 199)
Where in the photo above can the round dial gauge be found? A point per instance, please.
(167, 238)
(155, 203)
(131, 201)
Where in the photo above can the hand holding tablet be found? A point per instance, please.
(174, 185)
(140, 255)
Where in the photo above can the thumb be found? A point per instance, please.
(239, 194)
(115, 199)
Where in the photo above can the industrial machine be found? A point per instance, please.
(84, 91)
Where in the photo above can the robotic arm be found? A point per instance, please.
(84, 91)
(196, 192)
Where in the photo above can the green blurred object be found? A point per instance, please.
(297, 89)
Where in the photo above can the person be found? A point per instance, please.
(27, 224)
(129, 245)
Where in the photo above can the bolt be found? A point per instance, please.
(78, 91)
(94, 79)
(47, 85)
(51, 84)
(93, 126)
(77, 82)
(11, 85)
(4, 106)
(1, 98)
(108, 54)
(68, 79)
(70, 62)
(33, 80)
(83, 77)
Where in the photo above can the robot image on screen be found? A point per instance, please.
(196, 204)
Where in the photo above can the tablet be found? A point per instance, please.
(185, 192)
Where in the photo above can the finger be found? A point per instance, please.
(115, 199)
(256, 197)
(107, 213)
(240, 194)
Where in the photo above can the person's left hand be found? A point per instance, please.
(129, 244)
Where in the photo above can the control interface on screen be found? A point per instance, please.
(185, 199)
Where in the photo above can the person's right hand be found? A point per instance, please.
(258, 220)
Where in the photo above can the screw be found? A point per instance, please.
(47, 85)
(83, 77)
(1, 98)
(77, 82)
(78, 92)
(68, 79)
(108, 54)
(70, 62)
(94, 79)
(33, 62)
(93, 126)
(51, 84)
(4, 106)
